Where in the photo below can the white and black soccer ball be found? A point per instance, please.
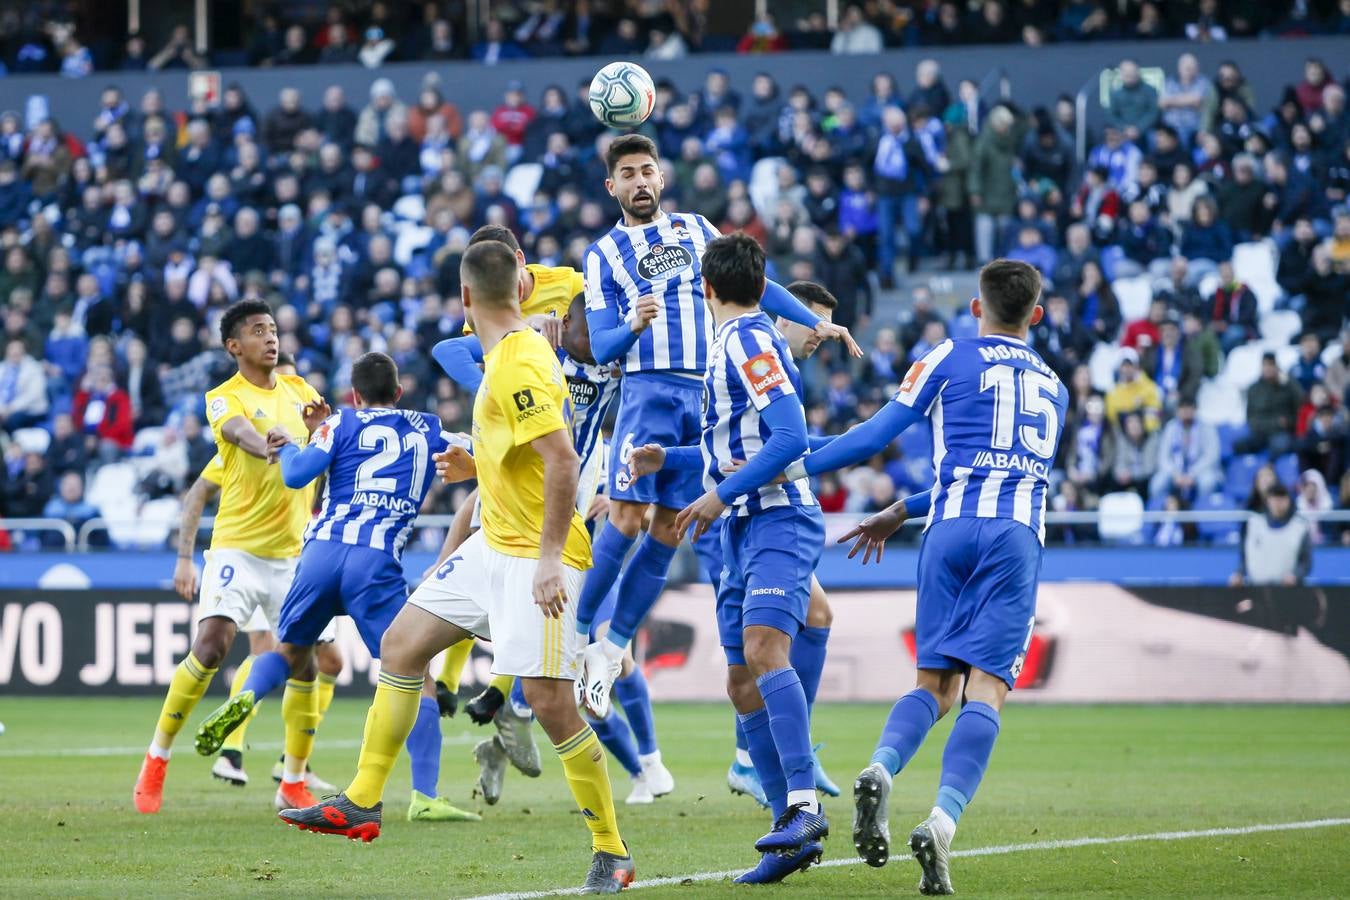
(622, 95)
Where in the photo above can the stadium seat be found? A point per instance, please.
(1221, 403)
(1120, 517)
(521, 183)
(1102, 366)
(1254, 264)
(113, 490)
(1331, 352)
(146, 440)
(1286, 469)
(1285, 355)
(1208, 285)
(149, 528)
(1218, 532)
(1281, 327)
(408, 239)
(411, 208)
(1134, 296)
(33, 440)
(1243, 366)
(1229, 434)
(1241, 471)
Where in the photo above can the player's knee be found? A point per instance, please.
(214, 637)
(766, 649)
(329, 658)
(300, 659)
(987, 689)
(662, 527)
(819, 614)
(627, 517)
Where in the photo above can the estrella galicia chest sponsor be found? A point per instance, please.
(665, 261)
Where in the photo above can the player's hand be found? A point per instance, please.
(828, 331)
(644, 311)
(737, 464)
(550, 590)
(599, 507)
(185, 578)
(314, 413)
(872, 532)
(551, 327)
(700, 514)
(646, 460)
(277, 437)
(455, 465)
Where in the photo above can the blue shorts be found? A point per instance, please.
(768, 561)
(341, 579)
(708, 549)
(656, 409)
(977, 595)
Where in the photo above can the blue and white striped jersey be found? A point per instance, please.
(379, 473)
(593, 390)
(749, 367)
(663, 259)
(997, 412)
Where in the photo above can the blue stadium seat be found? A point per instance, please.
(1228, 436)
(1218, 532)
(1241, 471)
(1286, 469)
(965, 326)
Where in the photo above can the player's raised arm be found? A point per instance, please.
(300, 467)
(462, 360)
(235, 427)
(779, 301)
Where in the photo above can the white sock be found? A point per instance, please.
(650, 759)
(743, 758)
(293, 770)
(613, 652)
(807, 797)
(159, 752)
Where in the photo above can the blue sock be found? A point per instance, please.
(637, 706)
(517, 698)
(424, 747)
(908, 724)
(764, 754)
(786, 704)
(617, 737)
(607, 554)
(639, 588)
(269, 672)
(966, 757)
(808, 658)
(741, 742)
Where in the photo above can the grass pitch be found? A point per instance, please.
(1058, 774)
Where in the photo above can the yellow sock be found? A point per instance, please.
(388, 723)
(300, 712)
(235, 739)
(503, 683)
(452, 669)
(190, 681)
(588, 776)
(327, 683)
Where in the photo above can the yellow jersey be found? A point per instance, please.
(554, 288)
(258, 513)
(214, 473)
(523, 396)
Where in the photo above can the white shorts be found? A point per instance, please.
(490, 595)
(248, 590)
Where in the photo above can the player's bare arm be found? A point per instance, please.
(561, 473)
(455, 465)
(828, 331)
(184, 569)
(551, 327)
(239, 432)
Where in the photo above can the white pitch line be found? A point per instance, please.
(340, 744)
(998, 850)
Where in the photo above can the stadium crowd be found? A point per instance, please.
(125, 236)
(42, 37)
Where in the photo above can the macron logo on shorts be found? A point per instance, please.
(768, 591)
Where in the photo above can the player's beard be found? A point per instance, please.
(642, 211)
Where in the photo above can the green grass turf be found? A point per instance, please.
(1058, 773)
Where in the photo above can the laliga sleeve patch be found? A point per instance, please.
(324, 434)
(763, 373)
(912, 379)
(218, 407)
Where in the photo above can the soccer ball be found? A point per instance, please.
(622, 95)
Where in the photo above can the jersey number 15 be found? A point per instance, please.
(1034, 394)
